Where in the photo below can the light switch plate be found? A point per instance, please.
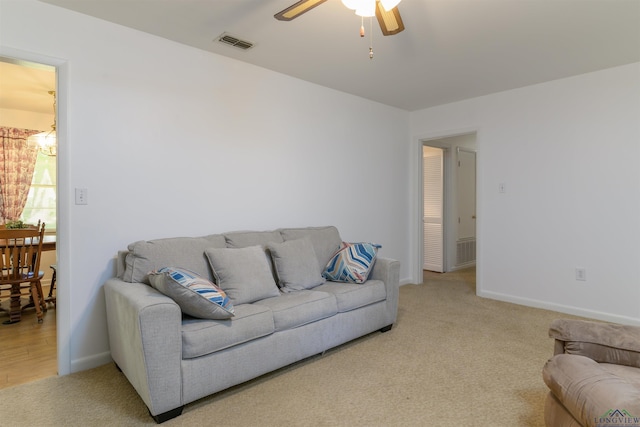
(82, 195)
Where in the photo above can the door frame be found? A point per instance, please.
(63, 293)
(417, 235)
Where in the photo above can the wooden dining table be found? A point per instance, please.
(15, 306)
(49, 242)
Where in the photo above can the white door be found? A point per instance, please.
(466, 183)
(466, 194)
(432, 167)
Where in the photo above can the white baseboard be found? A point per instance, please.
(560, 308)
(406, 281)
(462, 266)
(91, 362)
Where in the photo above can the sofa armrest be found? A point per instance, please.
(602, 342)
(388, 270)
(146, 342)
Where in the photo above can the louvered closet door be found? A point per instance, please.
(433, 209)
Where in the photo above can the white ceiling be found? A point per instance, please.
(25, 86)
(451, 49)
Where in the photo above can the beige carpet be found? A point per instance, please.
(452, 359)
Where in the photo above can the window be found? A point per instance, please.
(41, 201)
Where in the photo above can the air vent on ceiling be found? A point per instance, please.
(234, 41)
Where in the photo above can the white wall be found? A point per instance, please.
(568, 152)
(171, 140)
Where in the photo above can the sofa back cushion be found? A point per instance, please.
(242, 239)
(325, 240)
(186, 252)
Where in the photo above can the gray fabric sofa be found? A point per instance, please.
(594, 375)
(172, 359)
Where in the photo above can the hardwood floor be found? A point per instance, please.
(27, 349)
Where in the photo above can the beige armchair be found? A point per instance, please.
(594, 375)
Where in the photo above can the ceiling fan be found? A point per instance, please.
(386, 11)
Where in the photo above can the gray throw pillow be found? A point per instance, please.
(296, 265)
(243, 273)
(195, 295)
(326, 240)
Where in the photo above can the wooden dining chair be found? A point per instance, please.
(20, 252)
(51, 297)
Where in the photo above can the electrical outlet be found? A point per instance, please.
(581, 274)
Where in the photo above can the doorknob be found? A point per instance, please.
(473, 216)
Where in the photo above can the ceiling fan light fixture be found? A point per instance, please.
(351, 4)
(366, 9)
(385, 11)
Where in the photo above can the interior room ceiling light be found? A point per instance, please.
(385, 11)
(367, 8)
(46, 142)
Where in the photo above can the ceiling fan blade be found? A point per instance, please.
(297, 9)
(391, 21)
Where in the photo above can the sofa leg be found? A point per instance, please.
(166, 416)
(387, 328)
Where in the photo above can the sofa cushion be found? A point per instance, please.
(350, 296)
(299, 308)
(242, 239)
(186, 252)
(326, 240)
(196, 296)
(200, 337)
(352, 263)
(588, 389)
(296, 265)
(243, 273)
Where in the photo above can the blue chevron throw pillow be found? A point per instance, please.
(352, 263)
(196, 296)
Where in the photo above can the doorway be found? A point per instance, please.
(433, 202)
(27, 103)
(453, 248)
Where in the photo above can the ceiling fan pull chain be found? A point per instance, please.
(371, 38)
